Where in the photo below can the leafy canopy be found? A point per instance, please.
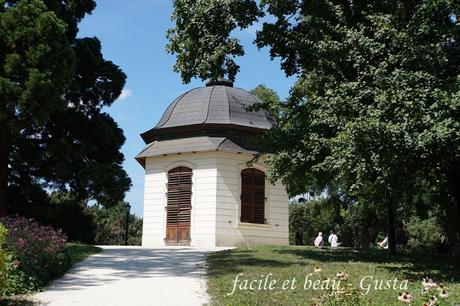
(201, 38)
(376, 105)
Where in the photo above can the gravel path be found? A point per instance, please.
(133, 276)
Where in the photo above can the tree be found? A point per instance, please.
(270, 100)
(36, 66)
(376, 105)
(53, 85)
(201, 38)
(110, 225)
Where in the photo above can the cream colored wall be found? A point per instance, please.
(215, 202)
(229, 230)
(203, 216)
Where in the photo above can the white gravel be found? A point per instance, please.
(133, 276)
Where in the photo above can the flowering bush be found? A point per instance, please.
(344, 294)
(3, 256)
(36, 254)
(433, 293)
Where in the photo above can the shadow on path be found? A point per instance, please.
(118, 263)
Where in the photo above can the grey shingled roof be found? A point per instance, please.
(215, 104)
(188, 145)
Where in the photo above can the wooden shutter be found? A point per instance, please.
(179, 206)
(252, 196)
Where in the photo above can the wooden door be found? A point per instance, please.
(179, 206)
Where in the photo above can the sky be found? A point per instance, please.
(133, 36)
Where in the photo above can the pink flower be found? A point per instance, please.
(342, 276)
(405, 297)
(21, 243)
(443, 294)
(317, 270)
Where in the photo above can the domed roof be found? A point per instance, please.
(219, 105)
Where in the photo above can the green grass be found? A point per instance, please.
(78, 252)
(296, 262)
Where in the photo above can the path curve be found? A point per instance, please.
(133, 276)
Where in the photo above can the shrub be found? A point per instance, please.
(311, 218)
(320, 215)
(424, 233)
(343, 293)
(61, 210)
(3, 258)
(110, 225)
(37, 254)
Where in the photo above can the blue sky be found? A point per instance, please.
(133, 37)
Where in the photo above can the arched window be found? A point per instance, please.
(252, 196)
(179, 206)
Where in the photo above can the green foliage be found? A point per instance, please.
(62, 210)
(313, 217)
(289, 262)
(424, 234)
(298, 221)
(376, 103)
(356, 224)
(3, 259)
(270, 100)
(36, 255)
(201, 38)
(19, 282)
(53, 87)
(36, 64)
(78, 252)
(94, 224)
(96, 171)
(109, 226)
(365, 221)
(345, 294)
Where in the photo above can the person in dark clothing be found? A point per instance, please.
(298, 237)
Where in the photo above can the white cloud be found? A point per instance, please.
(125, 94)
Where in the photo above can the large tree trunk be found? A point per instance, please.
(453, 209)
(391, 228)
(366, 235)
(363, 237)
(3, 181)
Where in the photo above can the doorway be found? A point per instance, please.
(179, 206)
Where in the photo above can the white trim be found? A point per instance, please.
(180, 163)
(249, 225)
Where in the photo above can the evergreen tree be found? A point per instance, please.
(53, 85)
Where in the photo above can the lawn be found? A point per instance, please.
(78, 252)
(286, 263)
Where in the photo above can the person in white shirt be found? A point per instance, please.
(333, 240)
(384, 243)
(319, 241)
